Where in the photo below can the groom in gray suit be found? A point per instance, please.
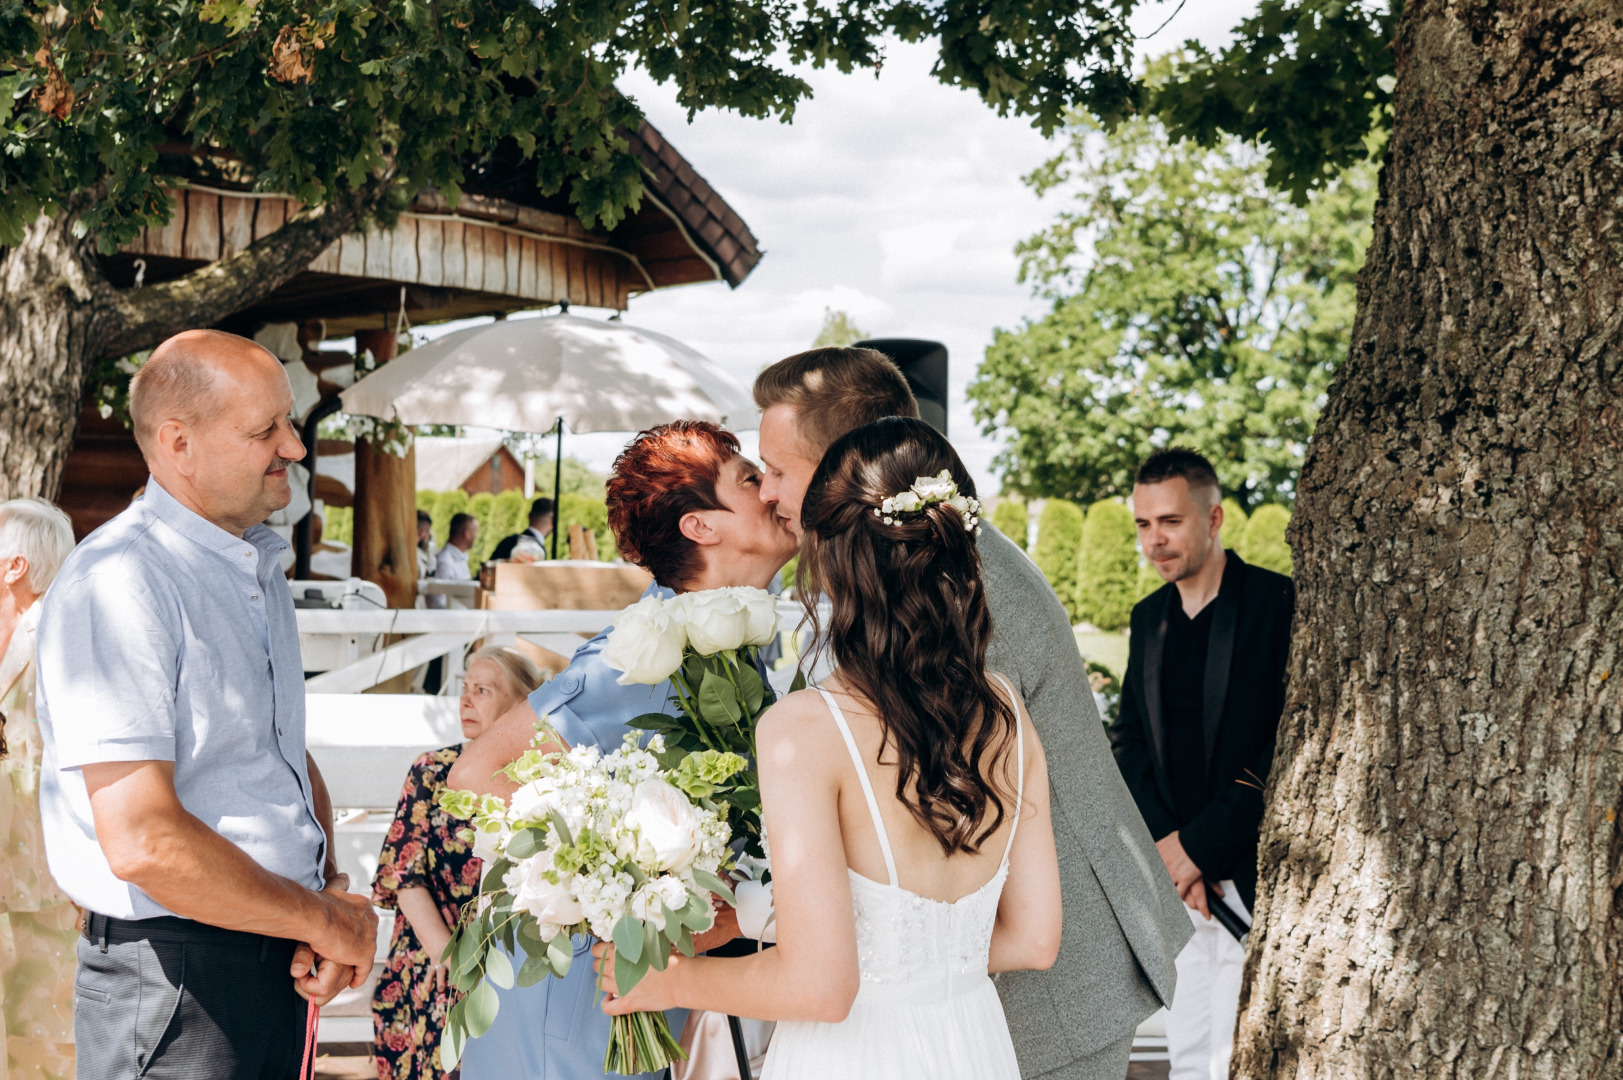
(1124, 922)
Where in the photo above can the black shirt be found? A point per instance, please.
(1183, 690)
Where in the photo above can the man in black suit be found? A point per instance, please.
(1200, 711)
(541, 516)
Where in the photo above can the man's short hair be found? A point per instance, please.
(424, 518)
(541, 508)
(458, 523)
(1196, 471)
(834, 391)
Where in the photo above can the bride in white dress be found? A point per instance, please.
(905, 799)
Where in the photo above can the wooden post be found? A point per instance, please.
(385, 549)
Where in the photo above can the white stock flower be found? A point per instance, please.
(551, 903)
(532, 802)
(668, 823)
(648, 903)
(646, 642)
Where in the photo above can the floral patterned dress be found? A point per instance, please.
(421, 849)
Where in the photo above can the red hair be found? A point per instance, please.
(666, 472)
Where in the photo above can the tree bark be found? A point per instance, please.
(385, 541)
(1441, 864)
(59, 314)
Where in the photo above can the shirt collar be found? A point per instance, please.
(656, 589)
(259, 540)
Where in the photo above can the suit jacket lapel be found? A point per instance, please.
(1154, 652)
(1220, 651)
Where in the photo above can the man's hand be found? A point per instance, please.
(1185, 874)
(723, 930)
(321, 980)
(350, 936)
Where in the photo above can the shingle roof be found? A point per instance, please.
(712, 225)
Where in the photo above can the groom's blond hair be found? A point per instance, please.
(835, 390)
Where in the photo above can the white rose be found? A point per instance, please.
(531, 803)
(646, 642)
(487, 843)
(935, 487)
(763, 615)
(552, 904)
(716, 620)
(668, 824)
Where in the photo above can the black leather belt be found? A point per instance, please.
(103, 930)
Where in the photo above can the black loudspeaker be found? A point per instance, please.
(925, 365)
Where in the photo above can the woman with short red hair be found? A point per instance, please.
(685, 506)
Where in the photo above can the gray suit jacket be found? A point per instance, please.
(1124, 923)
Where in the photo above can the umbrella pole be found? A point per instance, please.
(558, 490)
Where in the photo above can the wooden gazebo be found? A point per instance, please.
(490, 255)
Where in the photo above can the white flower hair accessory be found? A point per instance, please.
(939, 488)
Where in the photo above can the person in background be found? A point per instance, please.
(425, 544)
(180, 804)
(451, 564)
(1200, 711)
(541, 516)
(39, 922)
(426, 874)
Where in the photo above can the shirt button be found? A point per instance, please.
(279, 731)
(254, 596)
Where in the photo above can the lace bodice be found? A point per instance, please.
(910, 948)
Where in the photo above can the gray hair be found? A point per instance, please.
(520, 670)
(40, 533)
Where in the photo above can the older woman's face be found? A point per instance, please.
(752, 532)
(487, 693)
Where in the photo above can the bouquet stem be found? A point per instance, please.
(640, 1042)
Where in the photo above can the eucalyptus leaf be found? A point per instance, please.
(561, 952)
(628, 973)
(480, 1008)
(499, 969)
(654, 947)
(526, 842)
(493, 876)
(628, 937)
(562, 826)
(456, 1037)
(534, 969)
(710, 881)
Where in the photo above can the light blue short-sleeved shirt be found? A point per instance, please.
(166, 638)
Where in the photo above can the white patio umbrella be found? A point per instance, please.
(538, 375)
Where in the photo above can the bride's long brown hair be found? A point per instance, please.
(909, 624)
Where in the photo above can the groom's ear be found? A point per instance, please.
(695, 525)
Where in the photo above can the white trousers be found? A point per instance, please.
(1206, 1003)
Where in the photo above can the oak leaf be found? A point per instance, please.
(287, 58)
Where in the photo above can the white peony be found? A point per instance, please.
(532, 802)
(668, 824)
(552, 904)
(646, 642)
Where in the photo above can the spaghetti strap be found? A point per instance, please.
(867, 787)
(1020, 764)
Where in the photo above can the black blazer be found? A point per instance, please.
(1244, 698)
(504, 550)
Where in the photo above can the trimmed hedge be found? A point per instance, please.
(1010, 517)
(1059, 543)
(1107, 567)
(503, 515)
(1263, 542)
(1234, 522)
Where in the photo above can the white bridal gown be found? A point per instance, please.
(926, 1006)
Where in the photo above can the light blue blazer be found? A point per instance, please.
(555, 1030)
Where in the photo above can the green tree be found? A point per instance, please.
(1190, 305)
(1010, 517)
(1107, 570)
(837, 330)
(353, 106)
(1059, 541)
(1263, 541)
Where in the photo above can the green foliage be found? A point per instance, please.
(338, 525)
(318, 99)
(1310, 78)
(446, 505)
(510, 515)
(1234, 520)
(482, 506)
(1190, 305)
(1059, 542)
(1148, 580)
(1107, 685)
(503, 515)
(838, 330)
(1107, 572)
(1010, 517)
(1263, 542)
(579, 478)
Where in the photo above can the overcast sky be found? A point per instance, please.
(896, 199)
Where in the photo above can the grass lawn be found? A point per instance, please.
(1110, 649)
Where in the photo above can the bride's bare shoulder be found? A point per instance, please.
(796, 724)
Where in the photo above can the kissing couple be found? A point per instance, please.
(942, 807)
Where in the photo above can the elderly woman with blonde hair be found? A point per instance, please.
(38, 922)
(426, 873)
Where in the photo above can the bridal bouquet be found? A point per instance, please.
(610, 845)
(706, 644)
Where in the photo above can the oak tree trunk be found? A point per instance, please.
(59, 314)
(385, 542)
(1441, 864)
